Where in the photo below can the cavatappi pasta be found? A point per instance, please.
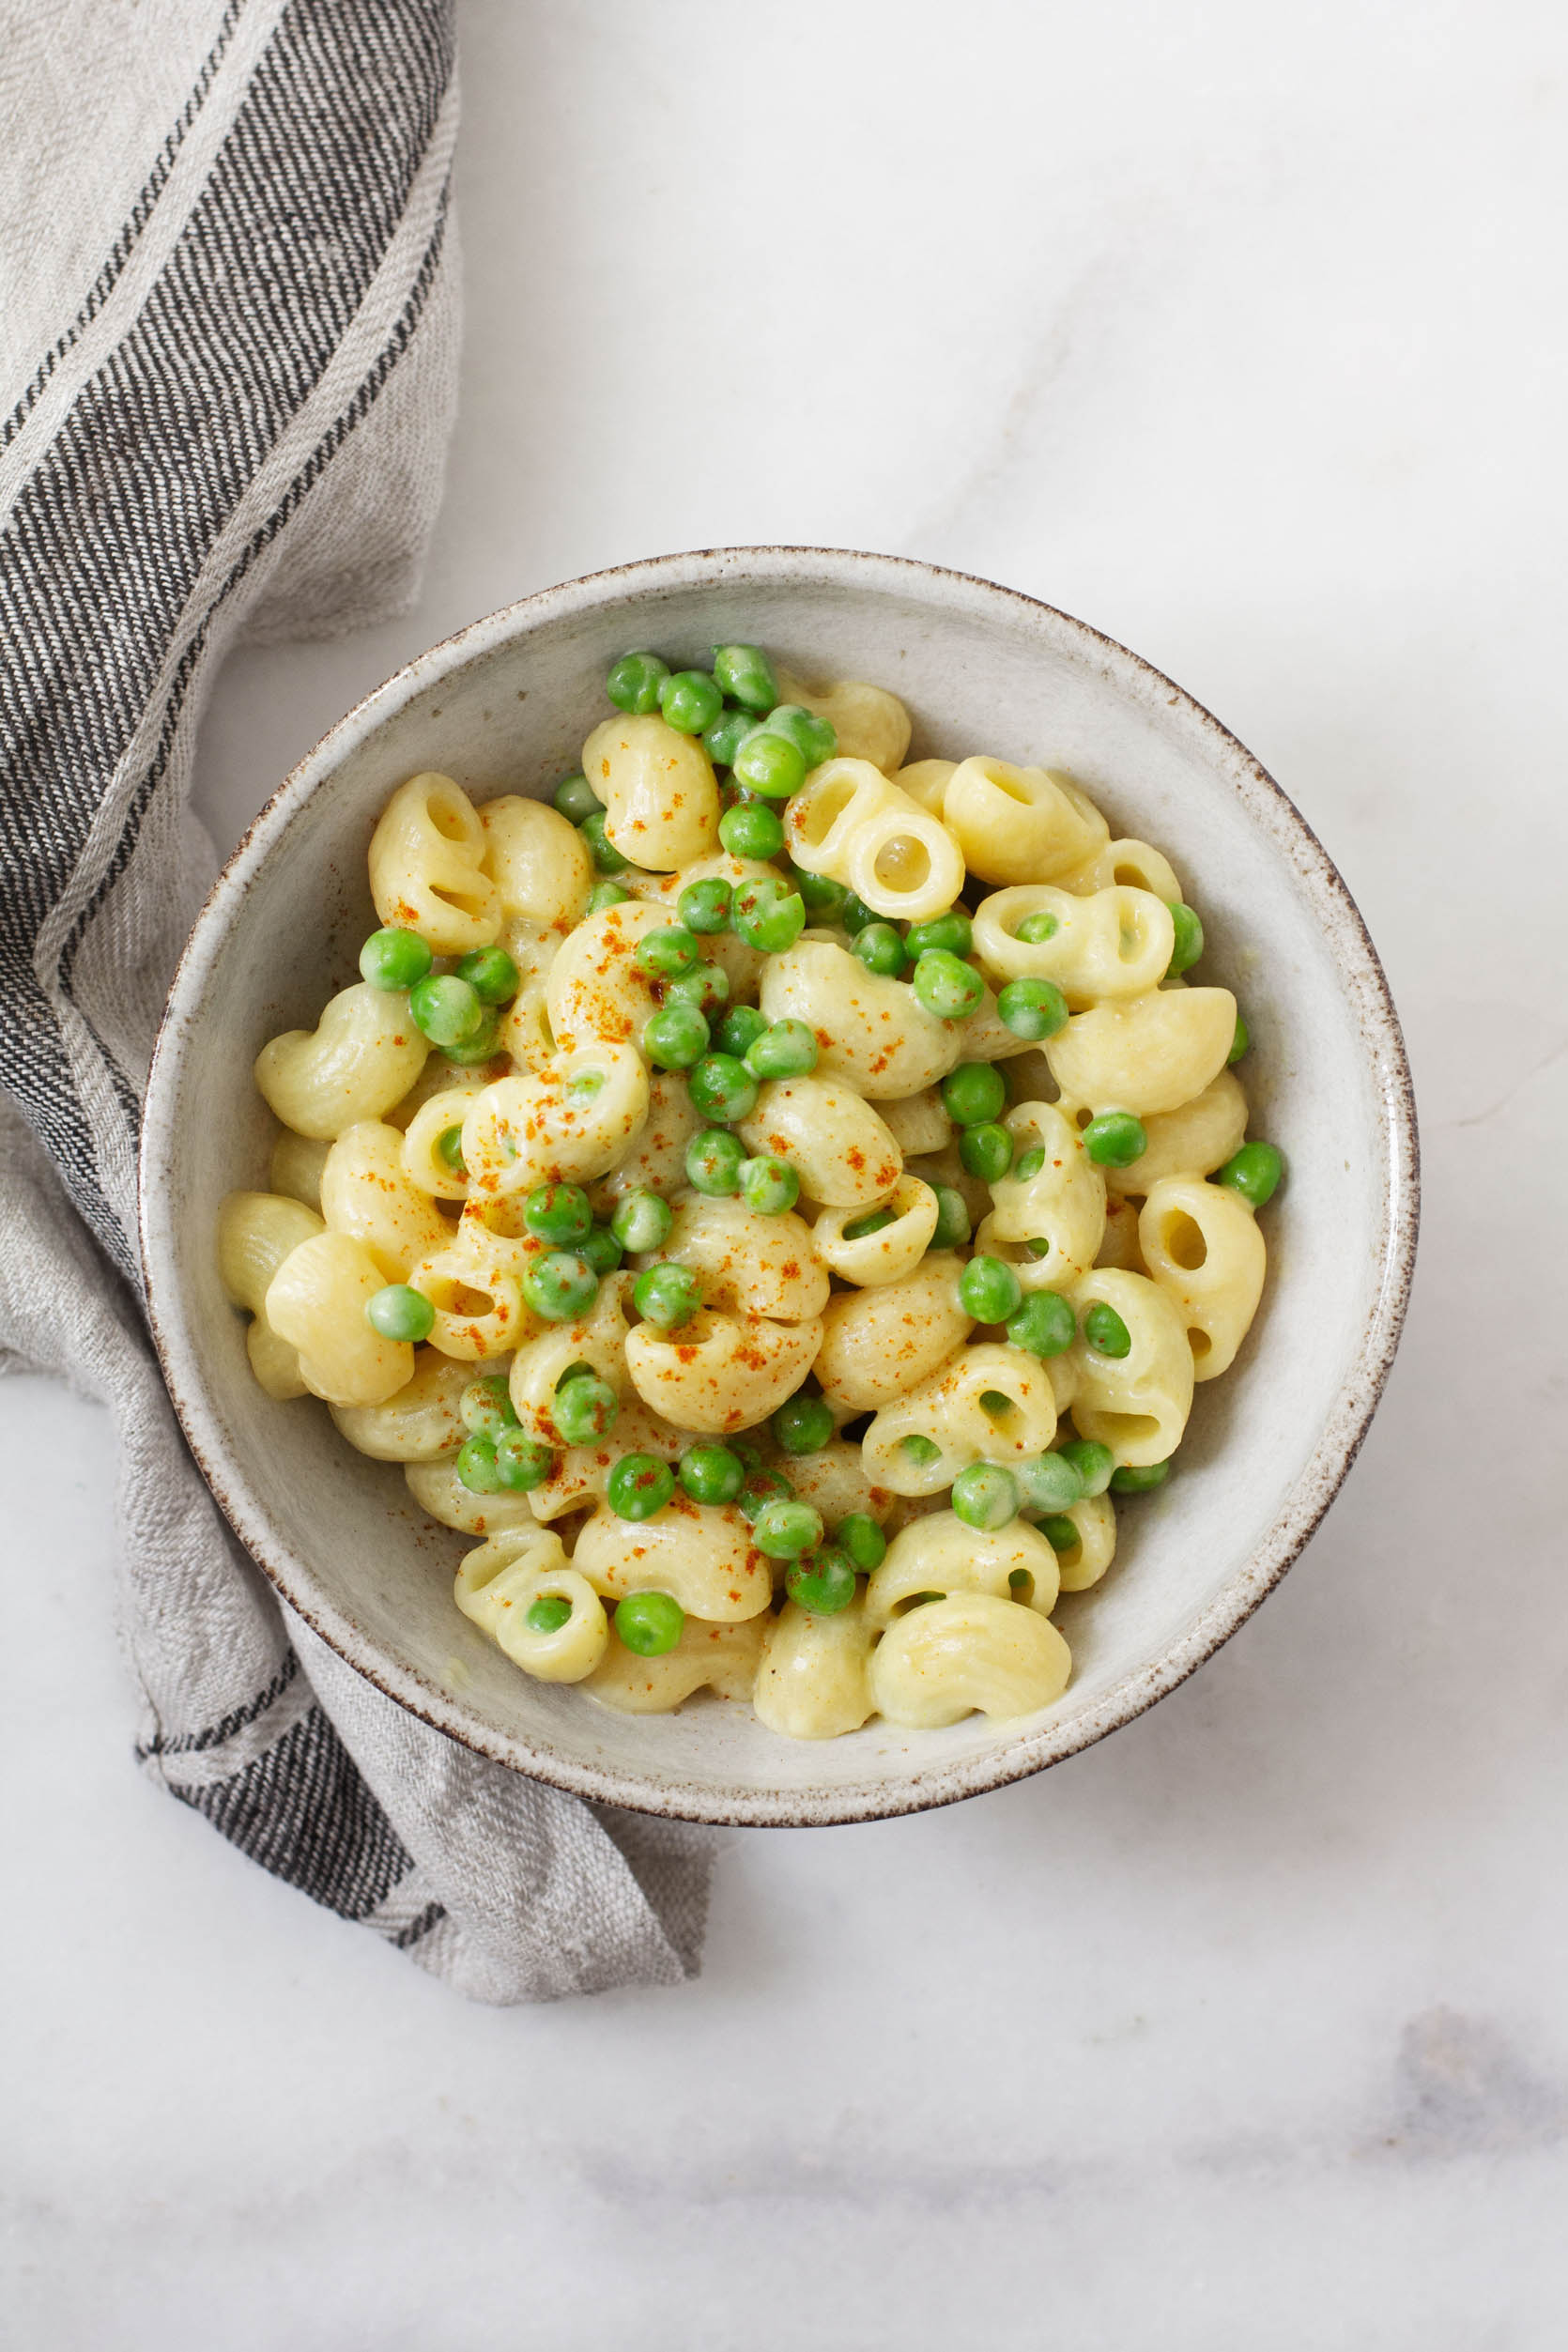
(775, 1198)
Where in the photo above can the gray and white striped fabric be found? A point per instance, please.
(226, 378)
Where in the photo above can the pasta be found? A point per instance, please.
(775, 1200)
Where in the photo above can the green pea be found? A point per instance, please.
(667, 1294)
(642, 1221)
(491, 973)
(1105, 1331)
(576, 798)
(714, 1162)
(1032, 1008)
(1027, 1165)
(1115, 1139)
(1189, 939)
(559, 1285)
(769, 1186)
(863, 1540)
(704, 906)
(814, 738)
(601, 1249)
(722, 1088)
(1060, 1533)
(945, 986)
(724, 738)
(484, 1407)
(786, 1049)
(824, 1584)
(972, 1094)
(921, 1452)
(1044, 1325)
(676, 1037)
(786, 1527)
(522, 1461)
(1037, 929)
(740, 1030)
(690, 700)
(768, 915)
(606, 894)
(650, 1623)
(607, 857)
(636, 681)
(476, 1466)
(639, 1485)
(585, 1408)
(881, 950)
(1241, 1041)
(984, 1496)
(669, 953)
(824, 900)
(862, 1229)
(1021, 1583)
(446, 1010)
(484, 1044)
(855, 914)
(393, 958)
(584, 1084)
(952, 1219)
(989, 1290)
(761, 1486)
(547, 1614)
(558, 1214)
(400, 1313)
(711, 1473)
(952, 930)
(750, 830)
(746, 674)
(1093, 1462)
(449, 1146)
(986, 1151)
(1050, 1482)
(1255, 1171)
(706, 990)
(802, 1424)
(1128, 1481)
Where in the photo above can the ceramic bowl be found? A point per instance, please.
(504, 707)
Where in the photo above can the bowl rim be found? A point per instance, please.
(1362, 1384)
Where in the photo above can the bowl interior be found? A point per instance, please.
(505, 708)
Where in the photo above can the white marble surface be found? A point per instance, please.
(1240, 333)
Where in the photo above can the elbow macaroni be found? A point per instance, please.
(799, 1313)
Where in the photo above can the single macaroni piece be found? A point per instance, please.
(852, 824)
(721, 1658)
(700, 1554)
(597, 991)
(441, 1495)
(1128, 864)
(1061, 1205)
(720, 1372)
(1135, 1403)
(661, 800)
(1116, 942)
(812, 1682)
(1084, 1563)
(295, 1167)
(835, 1141)
(1144, 1053)
(499, 1584)
(428, 867)
(890, 1252)
(1020, 825)
(525, 1031)
(990, 1402)
(927, 781)
(425, 1160)
(421, 1423)
(1201, 1245)
(750, 1265)
(474, 1286)
(596, 1339)
(879, 1344)
(255, 1233)
(565, 1124)
(366, 1190)
(870, 1031)
(870, 723)
(361, 1058)
(316, 1300)
(1194, 1140)
(540, 864)
(940, 1555)
(941, 1661)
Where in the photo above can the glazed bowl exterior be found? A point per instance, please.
(504, 706)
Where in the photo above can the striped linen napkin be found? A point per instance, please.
(227, 370)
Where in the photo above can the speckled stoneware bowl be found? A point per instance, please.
(505, 707)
